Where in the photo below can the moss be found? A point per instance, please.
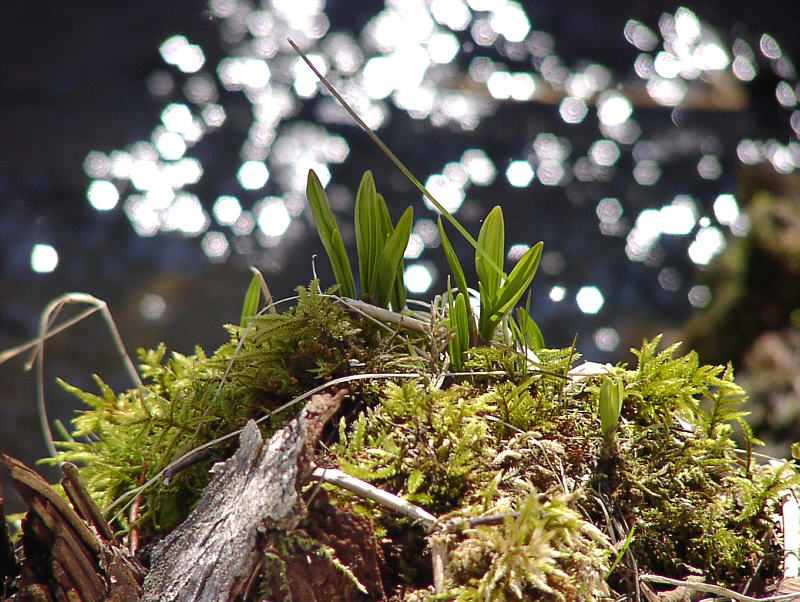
(512, 458)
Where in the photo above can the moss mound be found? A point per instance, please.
(534, 498)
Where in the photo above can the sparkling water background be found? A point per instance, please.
(151, 152)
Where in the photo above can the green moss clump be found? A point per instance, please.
(124, 440)
(534, 500)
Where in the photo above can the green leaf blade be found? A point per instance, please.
(392, 257)
(330, 235)
(452, 260)
(369, 240)
(252, 298)
(519, 279)
(492, 240)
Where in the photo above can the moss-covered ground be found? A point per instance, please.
(534, 499)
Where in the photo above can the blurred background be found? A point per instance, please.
(151, 152)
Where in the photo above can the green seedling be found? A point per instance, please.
(380, 245)
(252, 299)
(498, 292)
(612, 392)
(459, 339)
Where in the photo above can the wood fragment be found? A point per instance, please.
(212, 554)
(67, 552)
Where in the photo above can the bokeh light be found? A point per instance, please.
(44, 258)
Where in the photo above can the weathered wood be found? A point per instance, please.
(68, 555)
(213, 554)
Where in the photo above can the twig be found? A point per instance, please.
(714, 589)
(334, 476)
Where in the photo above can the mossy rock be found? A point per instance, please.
(533, 500)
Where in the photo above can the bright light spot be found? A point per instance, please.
(482, 32)
(523, 86)
(748, 152)
(480, 68)
(609, 210)
(427, 230)
(604, 152)
(667, 65)
(186, 171)
(121, 164)
(186, 214)
(409, 62)
(710, 57)
(444, 190)
(510, 21)
(549, 146)
(699, 295)
(687, 25)
(442, 47)
(726, 209)
(415, 246)
(550, 172)
(214, 115)
(144, 174)
(378, 77)
(215, 246)
(769, 47)
(606, 339)
(785, 95)
(96, 164)
(44, 259)
(744, 68)
(517, 252)
(643, 235)
(640, 35)
(644, 66)
(143, 216)
(272, 216)
(418, 278)
(589, 299)
(170, 145)
(227, 210)
(647, 172)
(239, 72)
(245, 224)
(572, 109)
(499, 85)
(305, 80)
(177, 118)
(707, 244)
(670, 279)
(452, 13)
(709, 167)
(152, 307)
(678, 218)
(253, 175)
(613, 109)
(667, 92)
(479, 167)
(179, 52)
(558, 294)
(102, 195)
(519, 174)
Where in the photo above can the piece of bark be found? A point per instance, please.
(68, 555)
(214, 553)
